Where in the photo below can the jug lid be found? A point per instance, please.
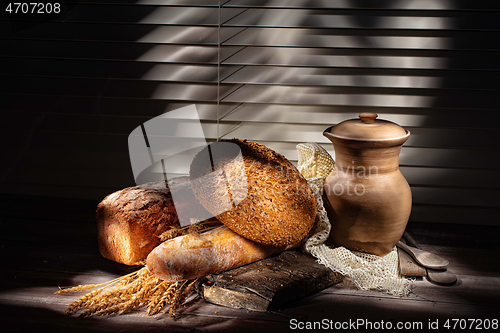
(367, 128)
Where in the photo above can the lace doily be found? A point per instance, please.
(366, 271)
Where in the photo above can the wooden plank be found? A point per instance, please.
(345, 307)
(46, 311)
(52, 317)
(270, 283)
(408, 267)
(474, 262)
(31, 293)
(40, 285)
(482, 289)
(43, 296)
(469, 289)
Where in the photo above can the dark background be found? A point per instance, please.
(75, 84)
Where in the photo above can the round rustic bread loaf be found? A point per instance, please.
(276, 205)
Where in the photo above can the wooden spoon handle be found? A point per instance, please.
(442, 278)
(424, 258)
(410, 240)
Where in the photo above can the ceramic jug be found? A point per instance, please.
(367, 199)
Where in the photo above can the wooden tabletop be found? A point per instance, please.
(47, 243)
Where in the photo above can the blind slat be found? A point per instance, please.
(114, 70)
(369, 77)
(354, 58)
(235, 112)
(380, 97)
(201, 16)
(357, 19)
(366, 39)
(121, 33)
(79, 83)
(118, 88)
(140, 52)
(372, 4)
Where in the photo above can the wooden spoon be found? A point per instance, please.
(439, 277)
(442, 278)
(424, 258)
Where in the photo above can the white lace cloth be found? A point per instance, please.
(366, 271)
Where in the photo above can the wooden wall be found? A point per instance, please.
(77, 83)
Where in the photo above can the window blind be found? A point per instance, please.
(276, 72)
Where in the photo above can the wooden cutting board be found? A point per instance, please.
(271, 283)
(268, 284)
(408, 266)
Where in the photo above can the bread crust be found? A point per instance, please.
(129, 221)
(197, 255)
(279, 207)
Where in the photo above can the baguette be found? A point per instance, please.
(197, 255)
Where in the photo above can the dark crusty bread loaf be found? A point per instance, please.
(279, 207)
(130, 221)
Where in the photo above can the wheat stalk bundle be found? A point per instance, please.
(139, 289)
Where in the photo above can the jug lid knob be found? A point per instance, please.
(367, 117)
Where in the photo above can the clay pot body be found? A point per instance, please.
(367, 199)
